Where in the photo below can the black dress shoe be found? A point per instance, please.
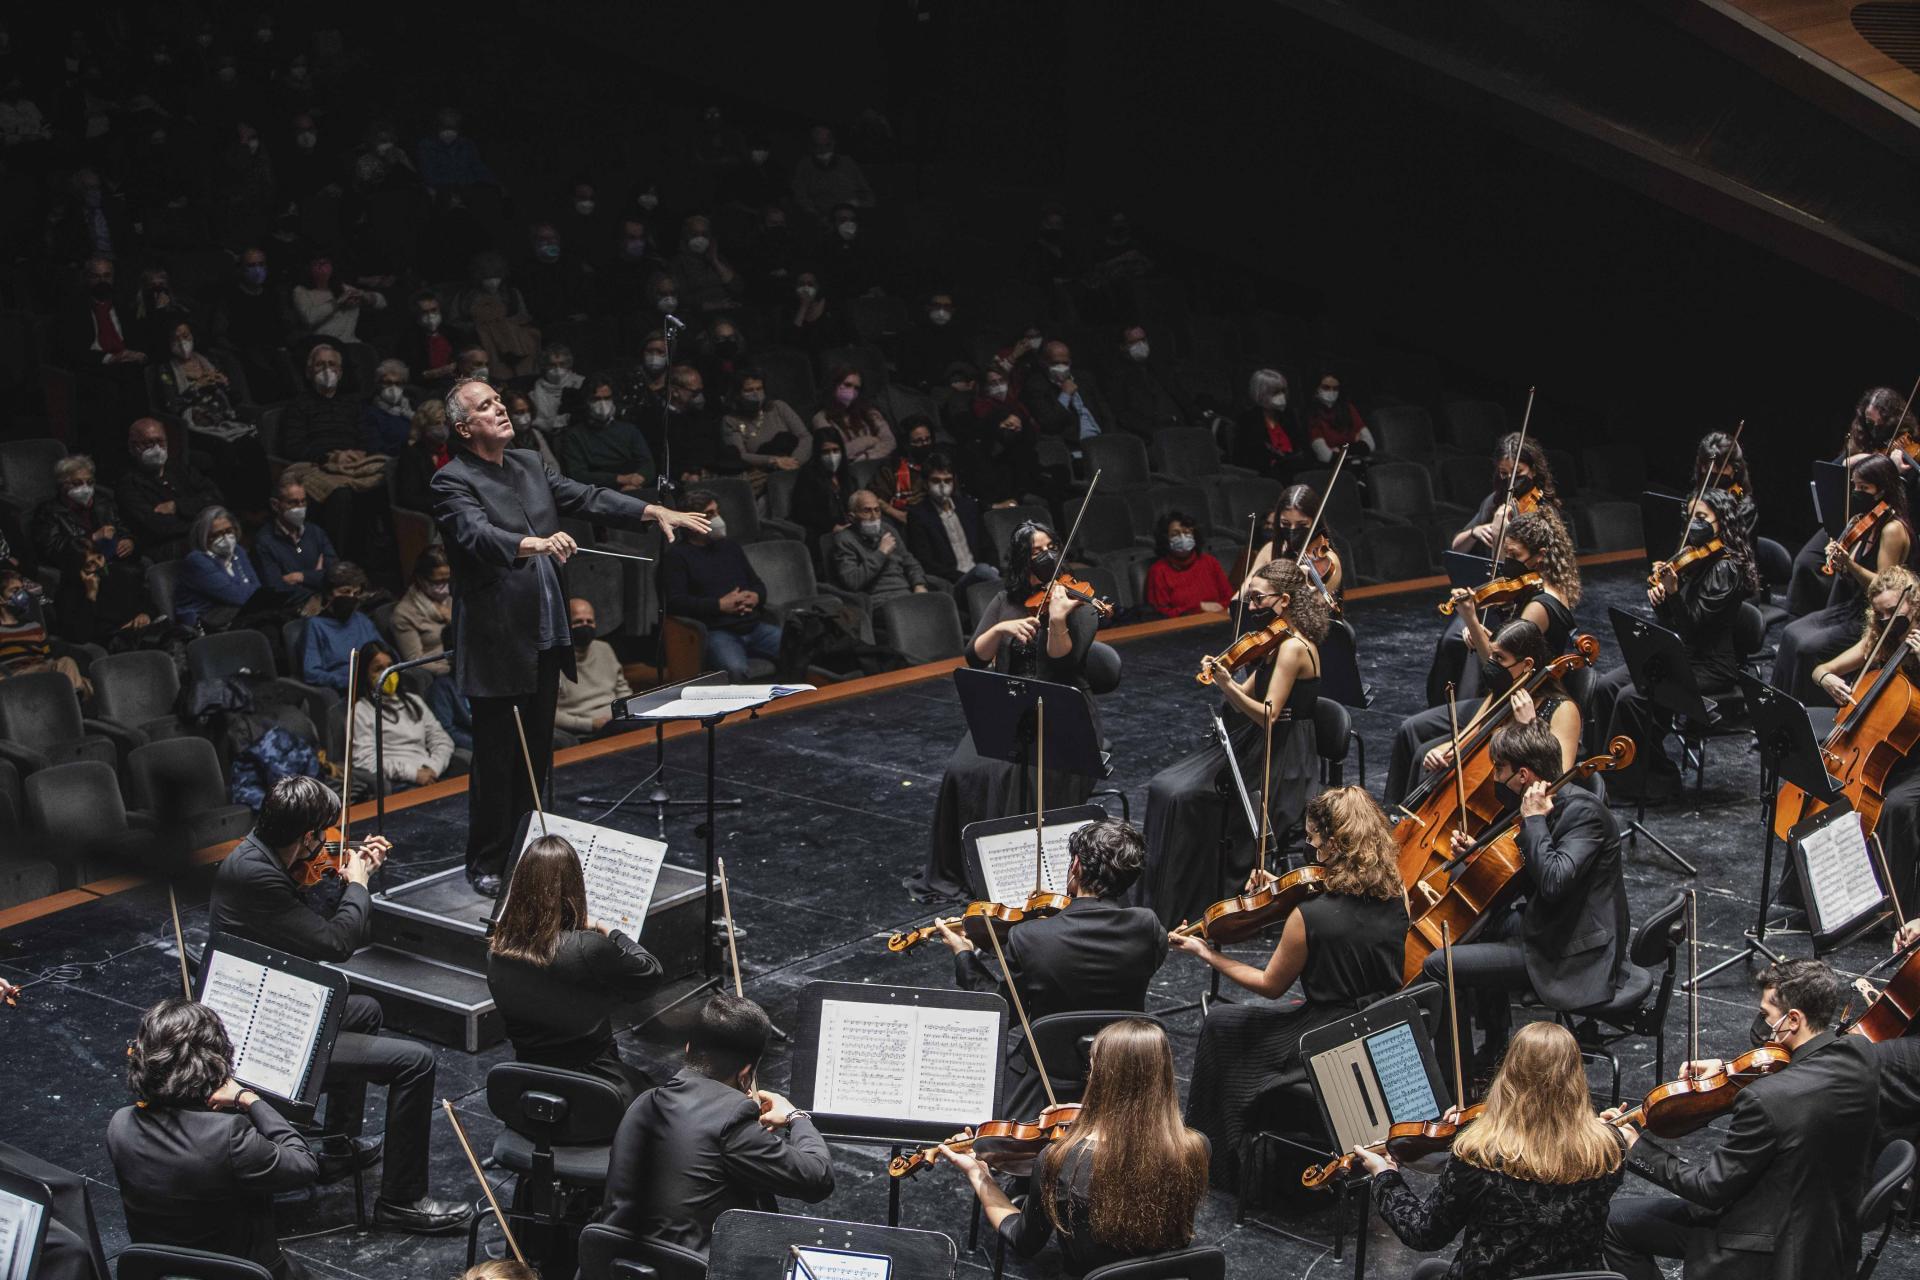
(484, 883)
(336, 1164)
(425, 1216)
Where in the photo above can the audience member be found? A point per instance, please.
(643, 387)
(692, 443)
(944, 532)
(196, 390)
(933, 344)
(815, 324)
(901, 480)
(555, 279)
(414, 748)
(387, 419)
(448, 159)
(1146, 395)
(525, 434)
(421, 621)
(1184, 578)
(707, 281)
(1001, 439)
(96, 342)
(323, 307)
(250, 320)
(217, 581)
(1066, 401)
(425, 345)
(760, 434)
(554, 395)
(495, 312)
(585, 704)
(96, 606)
(598, 448)
(828, 177)
(160, 495)
(292, 554)
(81, 515)
(863, 427)
(25, 645)
(707, 576)
(339, 629)
(867, 557)
(849, 258)
(1333, 423)
(1268, 437)
(321, 434)
(721, 353)
(821, 490)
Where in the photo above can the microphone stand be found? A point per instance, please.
(673, 326)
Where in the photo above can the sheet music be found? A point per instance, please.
(1843, 885)
(838, 1264)
(1401, 1075)
(621, 869)
(1006, 861)
(273, 1019)
(912, 1063)
(686, 707)
(728, 692)
(20, 1226)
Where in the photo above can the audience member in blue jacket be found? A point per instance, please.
(339, 629)
(216, 575)
(294, 556)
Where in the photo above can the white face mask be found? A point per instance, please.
(326, 379)
(1137, 350)
(520, 421)
(667, 301)
(1059, 372)
(81, 493)
(805, 292)
(555, 374)
(1181, 544)
(429, 320)
(940, 315)
(758, 155)
(698, 244)
(1279, 400)
(583, 207)
(154, 457)
(601, 409)
(1327, 398)
(848, 229)
(996, 391)
(295, 517)
(393, 396)
(491, 283)
(869, 528)
(483, 374)
(653, 363)
(448, 135)
(183, 349)
(306, 139)
(831, 461)
(716, 527)
(649, 202)
(223, 546)
(942, 490)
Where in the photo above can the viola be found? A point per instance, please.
(1889, 1014)
(1404, 1144)
(1074, 587)
(1250, 649)
(1500, 591)
(998, 1143)
(1678, 1108)
(1702, 554)
(981, 918)
(1237, 918)
(1858, 532)
(1870, 736)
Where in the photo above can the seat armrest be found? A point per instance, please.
(318, 699)
(123, 736)
(26, 759)
(785, 528)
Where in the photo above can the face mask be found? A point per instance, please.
(805, 292)
(223, 546)
(1138, 350)
(342, 607)
(939, 315)
(757, 155)
(870, 528)
(846, 395)
(491, 284)
(384, 148)
(996, 391)
(429, 320)
(601, 409)
(253, 144)
(716, 527)
(547, 251)
(583, 207)
(520, 421)
(1059, 372)
(448, 135)
(1041, 565)
(1508, 797)
(438, 590)
(1863, 498)
(582, 637)
(943, 490)
(1699, 533)
(183, 349)
(753, 399)
(555, 374)
(226, 74)
(831, 461)
(698, 400)
(1495, 678)
(1773, 1028)
(254, 273)
(649, 202)
(1524, 485)
(667, 301)
(1181, 544)
(393, 396)
(306, 139)
(653, 363)
(848, 229)
(918, 451)
(1327, 398)
(81, 494)
(326, 379)
(154, 457)
(482, 374)
(19, 598)
(698, 244)
(295, 518)
(1279, 401)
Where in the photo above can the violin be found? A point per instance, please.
(1525, 504)
(982, 918)
(1857, 533)
(998, 1143)
(1250, 649)
(1238, 918)
(1074, 587)
(1692, 556)
(330, 861)
(1500, 591)
(1403, 1144)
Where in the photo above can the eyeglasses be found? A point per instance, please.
(866, 511)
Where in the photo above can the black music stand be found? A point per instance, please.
(750, 1245)
(1663, 523)
(1788, 753)
(299, 1109)
(1001, 714)
(1834, 836)
(659, 798)
(1830, 483)
(28, 1202)
(1663, 675)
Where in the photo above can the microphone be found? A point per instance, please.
(673, 324)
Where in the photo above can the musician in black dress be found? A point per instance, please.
(1840, 680)
(1425, 738)
(1191, 805)
(1811, 640)
(1701, 608)
(1009, 638)
(1535, 543)
(557, 974)
(1878, 416)
(1526, 1186)
(1344, 946)
(1288, 524)
(1721, 454)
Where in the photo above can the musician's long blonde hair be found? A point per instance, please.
(1539, 1123)
(1361, 857)
(1894, 578)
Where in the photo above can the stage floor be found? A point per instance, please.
(837, 803)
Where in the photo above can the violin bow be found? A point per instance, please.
(1513, 476)
(533, 779)
(1266, 789)
(1060, 559)
(1459, 775)
(1240, 600)
(1706, 482)
(485, 1186)
(726, 910)
(1020, 1007)
(179, 940)
(1453, 1016)
(346, 762)
(1693, 977)
(1887, 872)
(1306, 545)
(1039, 797)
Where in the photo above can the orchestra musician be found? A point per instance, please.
(199, 1156)
(1700, 606)
(1526, 1185)
(1722, 454)
(1808, 641)
(1427, 736)
(1010, 638)
(1344, 946)
(557, 974)
(1899, 1061)
(1878, 416)
(1188, 815)
(1534, 543)
(1780, 1197)
(709, 1140)
(1898, 826)
(1099, 953)
(1566, 941)
(1287, 526)
(1129, 1177)
(256, 896)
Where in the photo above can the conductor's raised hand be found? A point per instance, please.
(671, 521)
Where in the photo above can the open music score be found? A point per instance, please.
(913, 1063)
(1842, 887)
(840, 1264)
(621, 869)
(1006, 861)
(273, 1017)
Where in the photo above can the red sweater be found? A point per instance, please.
(1175, 590)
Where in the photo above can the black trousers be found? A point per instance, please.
(1808, 587)
(1490, 970)
(498, 793)
(1642, 1228)
(362, 1057)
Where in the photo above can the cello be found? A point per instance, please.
(1871, 735)
(1455, 896)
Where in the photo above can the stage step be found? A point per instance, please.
(426, 998)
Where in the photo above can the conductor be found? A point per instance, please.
(498, 509)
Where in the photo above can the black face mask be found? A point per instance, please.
(1863, 499)
(1042, 563)
(1289, 540)
(1508, 797)
(582, 637)
(919, 452)
(1699, 533)
(1524, 485)
(342, 607)
(1495, 679)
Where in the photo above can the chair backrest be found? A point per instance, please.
(1404, 431)
(1343, 505)
(785, 569)
(71, 807)
(293, 638)
(1243, 496)
(1618, 471)
(1332, 730)
(979, 596)
(780, 493)
(1188, 498)
(177, 777)
(162, 578)
(1393, 553)
(1657, 941)
(1580, 684)
(1118, 457)
(1185, 453)
(1613, 526)
(734, 497)
(789, 375)
(551, 1107)
(1774, 562)
(168, 1262)
(608, 1253)
(1475, 426)
(267, 424)
(1402, 488)
(134, 687)
(1103, 667)
(227, 653)
(998, 523)
(40, 711)
(1890, 1171)
(601, 582)
(1749, 630)
(923, 628)
(1064, 1039)
(1200, 1262)
(26, 469)
(1107, 525)
(1464, 479)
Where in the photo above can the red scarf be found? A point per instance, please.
(106, 330)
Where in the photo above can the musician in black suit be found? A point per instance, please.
(1097, 954)
(1780, 1197)
(708, 1140)
(1567, 941)
(498, 509)
(257, 895)
(199, 1155)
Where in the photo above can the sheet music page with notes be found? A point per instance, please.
(621, 869)
(936, 1065)
(1006, 862)
(273, 1019)
(1844, 885)
(1401, 1075)
(839, 1264)
(19, 1224)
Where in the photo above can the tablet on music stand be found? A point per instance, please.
(1373, 1070)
